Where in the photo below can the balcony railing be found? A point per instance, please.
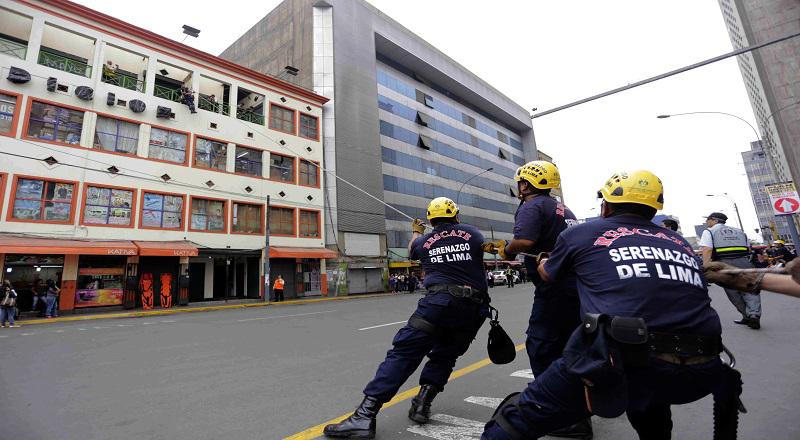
(124, 81)
(167, 93)
(60, 62)
(214, 107)
(13, 48)
(249, 116)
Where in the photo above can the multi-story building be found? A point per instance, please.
(770, 74)
(760, 173)
(404, 123)
(112, 186)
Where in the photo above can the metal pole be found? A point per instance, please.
(266, 256)
(738, 217)
(491, 229)
(666, 75)
(458, 195)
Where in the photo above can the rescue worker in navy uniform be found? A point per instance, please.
(626, 267)
(556, 309)
(443, 326)
(720, 242)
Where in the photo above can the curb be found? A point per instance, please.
(143, 314)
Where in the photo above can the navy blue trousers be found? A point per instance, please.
(457, 320)
(554, 316)
(556, 399)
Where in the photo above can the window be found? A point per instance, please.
(425, 99)
(281, 119)
(162, 211)
(43, 200)
(423, 119)
(210, 154)
(309, 224)
(208, 215)
(8, 107)
(424, 142)
(281, 168)
(309, 173)
(246, 218)
(281, 221)
(309, 126)
(115, 135)
(248, 161)
(167, 145)
(53, 123)
(108, 206)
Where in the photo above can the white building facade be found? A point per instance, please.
(113, 187)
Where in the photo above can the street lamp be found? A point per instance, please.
(458, 195)
(735, 208)
(714, 113)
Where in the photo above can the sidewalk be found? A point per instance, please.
(197, 307)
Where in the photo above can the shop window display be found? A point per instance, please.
(42, 200)
(107, 206)
(100, 281)
(162, 211)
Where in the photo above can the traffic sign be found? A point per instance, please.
(784, 198)
(786, 205)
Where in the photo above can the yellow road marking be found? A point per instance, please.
(316, 431)
(173, 311)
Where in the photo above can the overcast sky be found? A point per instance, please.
(545, 53)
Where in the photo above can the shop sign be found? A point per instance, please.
(121, 251)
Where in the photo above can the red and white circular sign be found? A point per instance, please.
(786, 205)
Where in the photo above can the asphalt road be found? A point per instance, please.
(269, 373)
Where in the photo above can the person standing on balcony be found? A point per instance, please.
(110, 72)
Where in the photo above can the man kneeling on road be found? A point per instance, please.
(650, 338)
(443, 326)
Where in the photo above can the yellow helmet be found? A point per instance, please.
(779, 242)
(539, 173)
(640, 186)
(442, 207)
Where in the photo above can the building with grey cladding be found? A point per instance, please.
(405, 123)
(761, 173)
(771, 74)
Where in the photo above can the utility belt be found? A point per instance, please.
(682, 349)
(457, 291)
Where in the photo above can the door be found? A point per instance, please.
(357, 281)
(197, 281)
(374, 280)
(253, 283)
(158, 282)
(240, 284)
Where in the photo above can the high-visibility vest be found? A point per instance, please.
(278, 284)
(729, 243)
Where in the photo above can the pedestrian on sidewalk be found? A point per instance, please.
(8, 304)
(393, 283)
(278, 288)
(39, 297)
(52, 299)
(442, 327)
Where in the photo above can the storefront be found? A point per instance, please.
(101, 281)
(29, 273)
(303, 270)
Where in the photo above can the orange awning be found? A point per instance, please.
(15, 244)
(166, 248)
(299, 252)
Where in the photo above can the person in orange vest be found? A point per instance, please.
(278, 288)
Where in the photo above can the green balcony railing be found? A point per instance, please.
(124, 81)
(213, 107)
(167, 93)
(249, 116)
(13, 48)
(59, 62)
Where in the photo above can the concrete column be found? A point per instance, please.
(150, 78)
(35, 40)
(97, 61)
(69, 278)
(232, 99)
(208, 282)
(142, 150)
(87, 130)
(323, 276)
(230, 164)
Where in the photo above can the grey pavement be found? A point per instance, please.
(268, 373)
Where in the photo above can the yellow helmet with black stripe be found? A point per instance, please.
(539, 173)
(442, 207)
(640, 186)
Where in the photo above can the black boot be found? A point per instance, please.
(359, 425)
(744, 321)
(754, 322)
(420, 411)
(580, 430)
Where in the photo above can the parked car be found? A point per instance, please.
(499, 276)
